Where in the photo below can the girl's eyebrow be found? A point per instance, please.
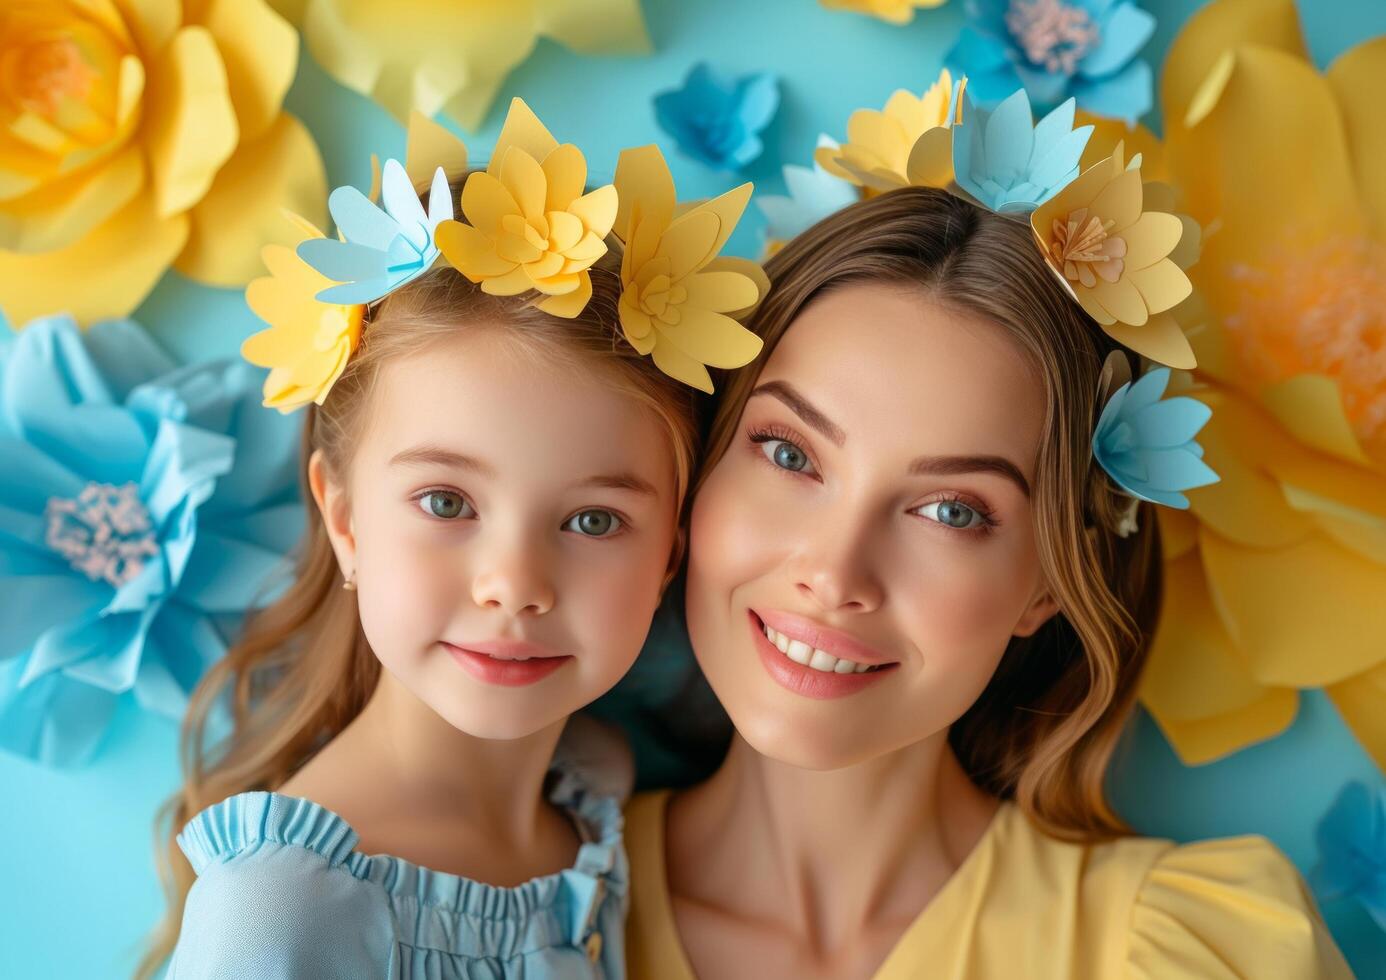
(438, 456)
(924, 465)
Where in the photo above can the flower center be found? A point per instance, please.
(49, 71)
(1318, 310)
(1053, 35)
(104, 532)
(1085, 249)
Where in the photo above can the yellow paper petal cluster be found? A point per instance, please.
(1275, 578)
(908, 143)
(679, 297)
(135, 135)
(1116, 257)
(530, 226)
(892, 11)
(308, 343)
(449, 57)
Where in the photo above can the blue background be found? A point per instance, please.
(79, 890)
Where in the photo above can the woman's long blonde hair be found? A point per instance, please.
(302, 670)
(1044, 729)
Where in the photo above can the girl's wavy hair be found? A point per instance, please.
(302, 669)
(1046, 725)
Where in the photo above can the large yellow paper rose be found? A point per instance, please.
(134, 135)
(443, 55)
(1276, 577)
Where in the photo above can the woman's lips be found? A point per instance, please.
(507, 663)
(860, 666)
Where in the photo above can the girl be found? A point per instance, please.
(925, 609)
(499, 481)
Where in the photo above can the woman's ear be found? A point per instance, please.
(1041, 609)
(331, 499)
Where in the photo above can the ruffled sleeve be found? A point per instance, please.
(276, 897)
(1231, 908)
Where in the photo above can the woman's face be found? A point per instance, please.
(863, 552)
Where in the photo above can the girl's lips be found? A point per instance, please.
(804, 680)
(507, 663)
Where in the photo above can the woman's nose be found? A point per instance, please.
(836, 571)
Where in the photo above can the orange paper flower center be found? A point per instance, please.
(1318, 310)
(1084, 247)
(47, 72)
(1052, 34)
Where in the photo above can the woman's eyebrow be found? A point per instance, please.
(953, 465)
(801, 407)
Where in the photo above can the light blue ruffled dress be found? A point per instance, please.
(281, 893)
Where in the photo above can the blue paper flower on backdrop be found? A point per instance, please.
(813, 195)
(143, 509)
(383, 249)
(1007, 161)
(1147, 445)
(1352, 849)
(717, 120)
(1056, 49)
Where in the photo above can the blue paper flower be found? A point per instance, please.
(717, 120)
(142, 511)
(383, 249)
(1007, 162)
(1147, 445)
(813, 195)
(1056, 49)
(1352, 849)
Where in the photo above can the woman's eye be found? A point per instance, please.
(446, 505)
(952, 513)
(785, 455)
(594, 523)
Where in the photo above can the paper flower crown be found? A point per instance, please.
(1111, 239)
(531, 226)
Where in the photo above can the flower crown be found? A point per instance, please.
(530, 225)
(1111, 239)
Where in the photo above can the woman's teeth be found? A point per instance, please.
(802, 653)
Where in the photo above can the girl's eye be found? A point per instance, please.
(594, 523)
(952, 513)
(785, 455)
(446, 505)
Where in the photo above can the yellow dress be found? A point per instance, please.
(1026, 905)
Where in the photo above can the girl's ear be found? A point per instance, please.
(1041, 609)
(332, 504)
(676, 556)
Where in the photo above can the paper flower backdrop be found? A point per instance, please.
(1056, 49)
(143, 510)
(813, 195)
(717, 120)
(139, 136)
(1352, 849)
(453, 57)
(1275, 576)
(893, 11)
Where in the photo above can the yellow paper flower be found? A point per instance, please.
(894, 11)
(1275, 578)
(436, 55)
(308, 343)
(135, 135)
(531, 225)
(678, 295)
(1114, 257)
(909, 143)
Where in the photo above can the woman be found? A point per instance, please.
(923, 607)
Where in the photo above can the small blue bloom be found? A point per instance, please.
(1147, 445)
(1055, 49)
(143, 509)
(383, 249)
(1352, 849)
(813, 195)
(717, 120)
(1007, 162)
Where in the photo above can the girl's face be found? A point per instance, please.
(864, 551)
(510, 525)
